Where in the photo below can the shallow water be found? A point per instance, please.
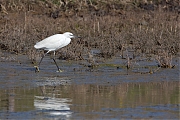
(79, 92)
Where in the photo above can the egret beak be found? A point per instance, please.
(77, 36)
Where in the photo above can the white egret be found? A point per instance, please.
(53, 43)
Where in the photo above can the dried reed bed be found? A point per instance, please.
(110, 30)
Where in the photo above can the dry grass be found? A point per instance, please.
(109, 26)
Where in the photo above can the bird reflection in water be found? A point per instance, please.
(50, 102)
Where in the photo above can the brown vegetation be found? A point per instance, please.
(109, 26)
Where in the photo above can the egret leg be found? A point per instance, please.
(59, 70)
(37, 67)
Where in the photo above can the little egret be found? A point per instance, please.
(53, 43)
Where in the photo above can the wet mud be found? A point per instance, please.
(107, 91)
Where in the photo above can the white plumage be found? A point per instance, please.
(53, 43)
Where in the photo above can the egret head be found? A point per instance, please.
(68, 35)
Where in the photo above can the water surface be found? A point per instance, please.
(105, 92)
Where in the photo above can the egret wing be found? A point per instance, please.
(51, 43)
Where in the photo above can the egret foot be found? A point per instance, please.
(59, 70)
(37, 69)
